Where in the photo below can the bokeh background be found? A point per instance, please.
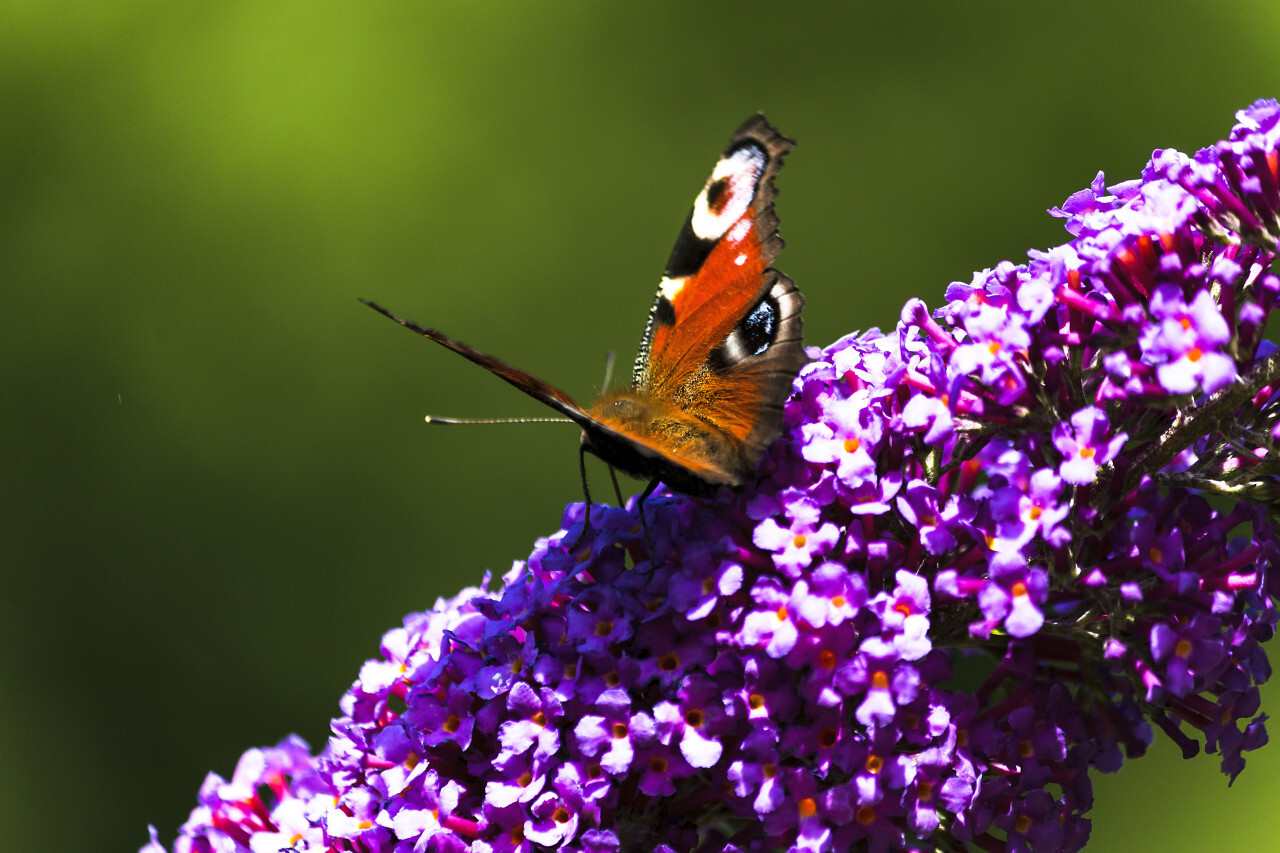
(216, 490)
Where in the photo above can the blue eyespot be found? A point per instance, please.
(757, 329)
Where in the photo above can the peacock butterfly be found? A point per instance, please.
(721, 347)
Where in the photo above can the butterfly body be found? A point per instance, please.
(721, 346)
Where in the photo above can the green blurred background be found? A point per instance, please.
(217, 488)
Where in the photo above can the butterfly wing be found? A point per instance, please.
(723, 341)
(531, 385)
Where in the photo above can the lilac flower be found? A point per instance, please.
(1027, 507)
(807, 537)
(1014, 598)
(1189, 653)
(1184, 342)
(904, 615)
(554, 819)
(1084, 445)
(770, 625)
(847, 436)
(692, 723)
(934, 515)
(997, 339)
(829, 596)
(1018, 477)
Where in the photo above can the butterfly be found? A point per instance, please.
(720, 349)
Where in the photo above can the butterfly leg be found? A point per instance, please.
(613, 475)
(586, 497)
(648, 490)
(617, 492)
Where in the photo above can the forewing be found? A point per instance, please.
(723, 342)
(716, 273)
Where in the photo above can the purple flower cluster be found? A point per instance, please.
(991, 550)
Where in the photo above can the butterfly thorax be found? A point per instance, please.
(687, 452)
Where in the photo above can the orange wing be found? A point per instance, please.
(723, 341)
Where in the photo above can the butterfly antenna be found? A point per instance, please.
(608, 373)
(437, 419)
